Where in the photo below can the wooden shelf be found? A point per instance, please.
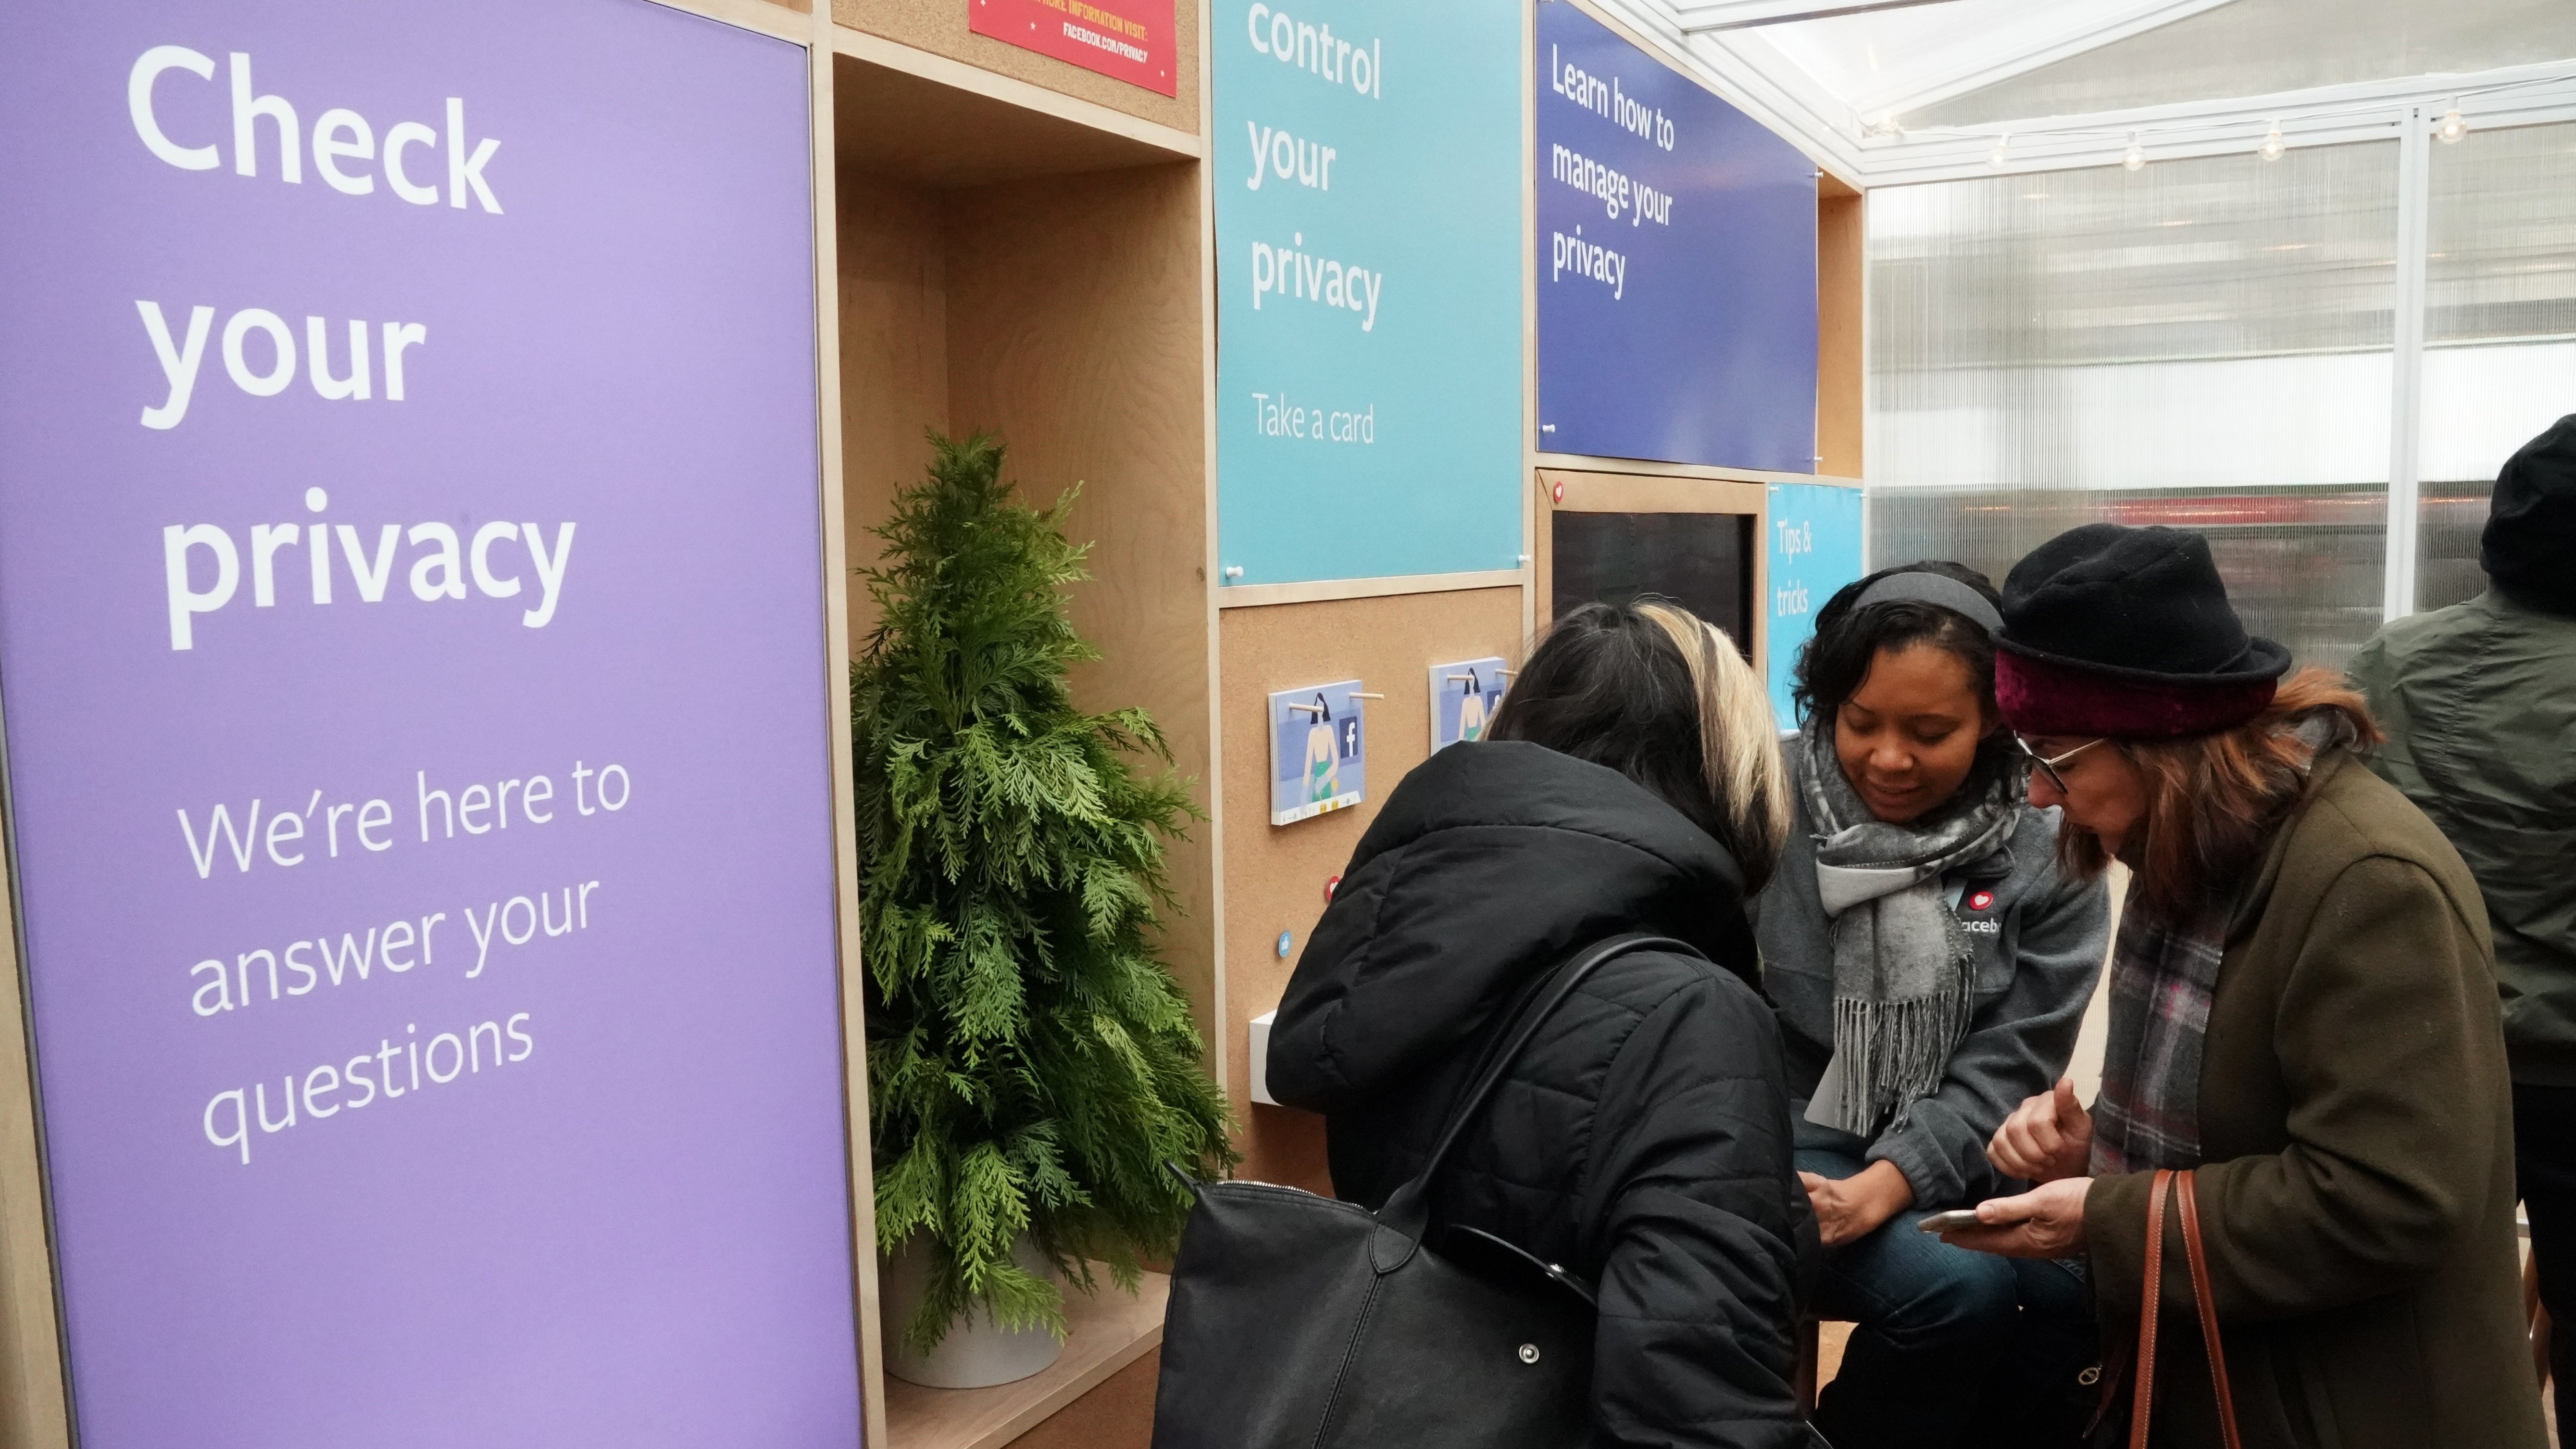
(1110, 1331)
(941, 137)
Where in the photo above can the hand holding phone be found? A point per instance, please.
(2045, 1222)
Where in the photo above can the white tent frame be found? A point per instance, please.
(1719, 41)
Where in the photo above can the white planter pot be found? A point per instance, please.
(976, 1353)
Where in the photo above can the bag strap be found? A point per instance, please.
(1407, 1213)
(2142, 1398)
(2208, 1301)
(2142, 1403)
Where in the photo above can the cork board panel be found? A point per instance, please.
(939, 26)
(1075, 330)
(1838, 328)
(1275, 875)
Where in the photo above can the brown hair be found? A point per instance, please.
(2213, 801)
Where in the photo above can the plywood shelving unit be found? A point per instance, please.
(1840, 291)
(1026, 259)
(1274, 877)
(1109, 1333)
(1014, 269)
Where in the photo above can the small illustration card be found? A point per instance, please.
(1464, 696)
(1318, 751)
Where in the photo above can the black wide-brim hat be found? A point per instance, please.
(2127, 633)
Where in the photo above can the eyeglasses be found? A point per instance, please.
(2047, 765)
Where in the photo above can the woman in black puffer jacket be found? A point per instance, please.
(1630, 783)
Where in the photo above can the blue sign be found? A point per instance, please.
(1368, 196)
(1676, 264)
(1815, 549)
(1318, 751)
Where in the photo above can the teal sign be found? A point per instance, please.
(1368, 232)
(1814, 549)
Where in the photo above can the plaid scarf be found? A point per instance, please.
(2162, 978)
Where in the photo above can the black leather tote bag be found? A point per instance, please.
(1301, 1322)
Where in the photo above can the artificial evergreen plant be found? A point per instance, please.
(1031, 1064)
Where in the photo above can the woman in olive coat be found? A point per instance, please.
(2303, 1009)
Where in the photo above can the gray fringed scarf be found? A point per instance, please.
(1904, 987)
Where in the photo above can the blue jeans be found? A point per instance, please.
(1951, 1347)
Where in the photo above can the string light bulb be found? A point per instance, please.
(2452, 127)
(2136, 158)
(2273, 145)
(1996, 157)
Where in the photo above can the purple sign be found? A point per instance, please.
(1676, 264)
(411, 638)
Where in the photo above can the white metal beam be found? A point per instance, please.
(2406, 397)
(2061, 32)
(2331, 115)
(1697, 16)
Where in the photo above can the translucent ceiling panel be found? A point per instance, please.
(1870, 55)
(2201, 343)
(2264, 47)
(2500, 329)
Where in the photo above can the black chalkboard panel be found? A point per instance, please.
(1702, 561)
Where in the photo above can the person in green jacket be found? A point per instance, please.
(2479, 704)
(2302, 1003)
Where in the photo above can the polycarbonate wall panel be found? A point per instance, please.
(2499, 329)
(2263, 48)
(2201, 343)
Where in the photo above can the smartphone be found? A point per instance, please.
(1949, 1222)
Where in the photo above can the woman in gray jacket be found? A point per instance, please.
(1930, 966)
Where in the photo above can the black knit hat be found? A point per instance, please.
(2127, 632)
(2529, 548)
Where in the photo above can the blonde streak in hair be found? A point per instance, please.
(1684, 630)
(1761, 785)
(1690, 635)
(1739, 750)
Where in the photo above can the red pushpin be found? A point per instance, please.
(1559, 492)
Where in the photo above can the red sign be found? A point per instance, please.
(1129, 39)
